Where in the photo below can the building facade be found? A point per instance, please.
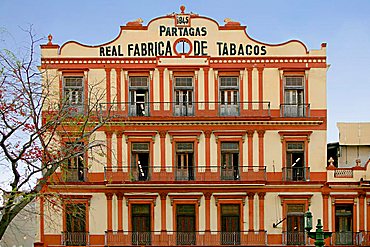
(213, 139)
(353, 148)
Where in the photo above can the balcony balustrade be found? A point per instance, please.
(294, 110)
(75, 174)
(75, 238)
(173, 238)
(190, 174)
(295, 238)
(296, 174)
(184, 109)
(343, 173)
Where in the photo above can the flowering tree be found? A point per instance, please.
(32, 122)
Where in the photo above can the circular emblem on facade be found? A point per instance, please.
(182, 46)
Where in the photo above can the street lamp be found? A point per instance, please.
(308, 221)
(319, 235)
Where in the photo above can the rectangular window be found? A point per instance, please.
(294, 97)
(140, 166)
(185, 222)
(295, 224)
(295, 169)
(230, 224)
(73, 93)
(75, 170)
(184, 161)
(75, 215)
(230, 161)
(344, 224)
(141, 224)
(229, 96)
(139, 95)
(183, 88)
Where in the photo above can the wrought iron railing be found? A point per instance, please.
(230, 238)
(294, 110)
(75, 174)
(75, 238)
(197, 173)
(184, 174)
(295, 238)
(296, 173)
(362, 238)
(173, 238)
(191, 108)
(343, 238)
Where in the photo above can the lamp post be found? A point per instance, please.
(319, 235)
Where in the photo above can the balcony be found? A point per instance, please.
(296, 174)
(350, 238)
(188, 175)
(343, 173)
(75, 238)
(294, 110)
(188, 109)
(75, 174)
(295, 238)
(172, 238)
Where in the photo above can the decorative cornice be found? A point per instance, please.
(185, 197)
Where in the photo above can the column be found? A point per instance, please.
(368, 214)
(163, 196)
(261, 208)
(151, 92)
(119, 151)
(250, 88)
(206, 88)
(109, 149)
(361, 197)
(250, 149)
(251, 210)
(325, 199)
(332, 214)
(260, 87)
(207, 135)
(261, 151)
(42, 232)
(86, 90)
(207, 197)
(109, 197)
(126, 105)
(118, 86)
(120, 217)
(161, 88)
(107, 87)
(162, 135)
(171, 93)
(216, 91)
(355, 216)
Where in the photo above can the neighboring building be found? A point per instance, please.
(215, 139)
(353, 148)
(21, 232)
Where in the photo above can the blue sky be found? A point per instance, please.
(344, 25)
